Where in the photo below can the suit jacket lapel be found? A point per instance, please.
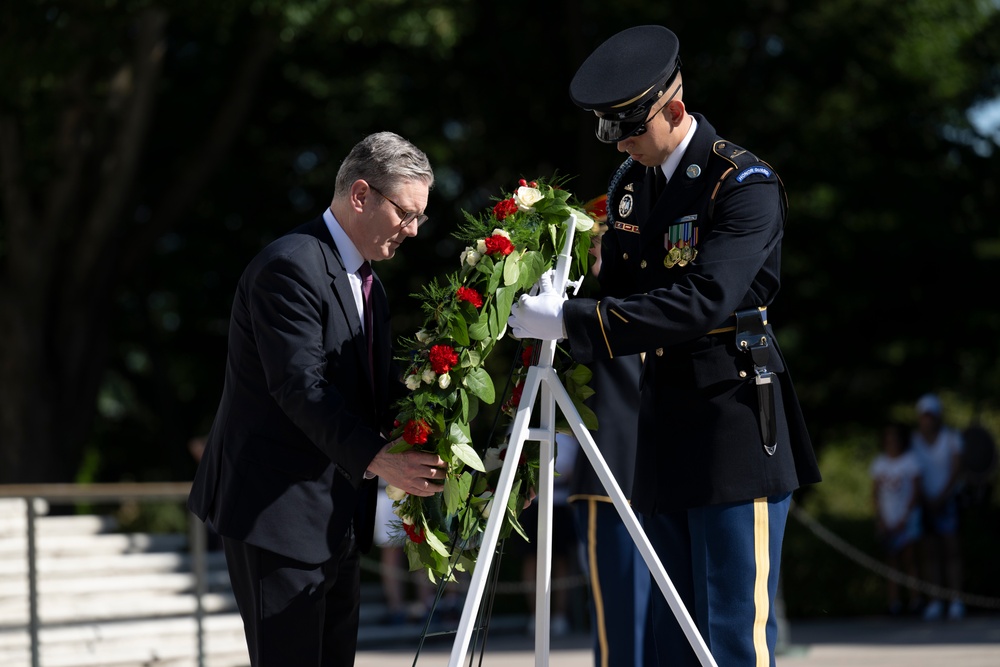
(341, 286)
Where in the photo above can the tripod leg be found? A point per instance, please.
(477, 585)
(656, 568)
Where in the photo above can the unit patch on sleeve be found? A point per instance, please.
(750, 171)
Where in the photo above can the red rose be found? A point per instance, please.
(442, 358)
(504, 208)
(470, 295)
(498, 244)
(515, 394)
(415, 534)
(416, 431)
(527, 354)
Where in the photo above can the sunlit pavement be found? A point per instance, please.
(858, 642)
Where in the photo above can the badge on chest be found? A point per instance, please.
(680, 241)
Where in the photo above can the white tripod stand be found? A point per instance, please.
(542, 380)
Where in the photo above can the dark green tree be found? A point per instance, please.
(149, 149)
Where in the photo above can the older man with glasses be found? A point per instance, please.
(287, 478)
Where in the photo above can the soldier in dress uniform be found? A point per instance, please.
(691, 262)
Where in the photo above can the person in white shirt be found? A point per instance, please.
(895, 474)
(938, 449)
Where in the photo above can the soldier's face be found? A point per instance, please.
(665, 130)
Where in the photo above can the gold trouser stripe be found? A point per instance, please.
(595, 587)
(761, 541)
(604, 333)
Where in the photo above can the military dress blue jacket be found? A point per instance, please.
(675, 268)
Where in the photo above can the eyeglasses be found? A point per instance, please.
(611, 130)
(407, 216)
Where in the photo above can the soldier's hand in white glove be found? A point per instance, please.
(539, 316)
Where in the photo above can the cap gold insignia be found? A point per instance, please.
(630, 188)
(693, 171)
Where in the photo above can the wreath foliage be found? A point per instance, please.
(508, 248)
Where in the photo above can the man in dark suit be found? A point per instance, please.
(287, 478)
(690, 262)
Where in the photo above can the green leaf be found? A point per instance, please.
(587, 415)
(452, 495)
(495, 277)
(467, 454)
(480, 384)
(481, 329)
(460, 329)
(485, 265)
(511, 269)
(580, 374)
(435, 542)
(465, 484)
(532, 266)
(505, 299)
(459, 432)
(471, 357)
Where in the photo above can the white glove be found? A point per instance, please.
(539, 317)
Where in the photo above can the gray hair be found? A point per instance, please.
(383, 159)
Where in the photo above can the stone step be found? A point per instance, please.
(83, 524)
(111, 582)
(95, 566)
(170, 641)
(139, 604)
(92, 544)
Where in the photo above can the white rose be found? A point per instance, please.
(429, 375)
(423, 336)
(470, 256)
(412, 382)
(481, 246)
(501, 232)
(526, 197)
(394, 492)
(444, 380)
(492, 460)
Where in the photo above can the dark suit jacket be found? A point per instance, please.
(299, 421)
(699, 439)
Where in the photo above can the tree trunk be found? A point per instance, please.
(68, 248)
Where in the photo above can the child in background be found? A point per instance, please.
(895, 473)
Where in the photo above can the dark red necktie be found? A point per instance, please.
(366, 296)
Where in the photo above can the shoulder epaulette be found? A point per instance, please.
(745, 164)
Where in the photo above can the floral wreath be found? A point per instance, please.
(509, 247)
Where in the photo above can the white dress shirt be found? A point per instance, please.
(352, 260)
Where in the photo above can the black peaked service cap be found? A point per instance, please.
(624, 76)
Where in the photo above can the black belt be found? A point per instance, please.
(731, 321)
